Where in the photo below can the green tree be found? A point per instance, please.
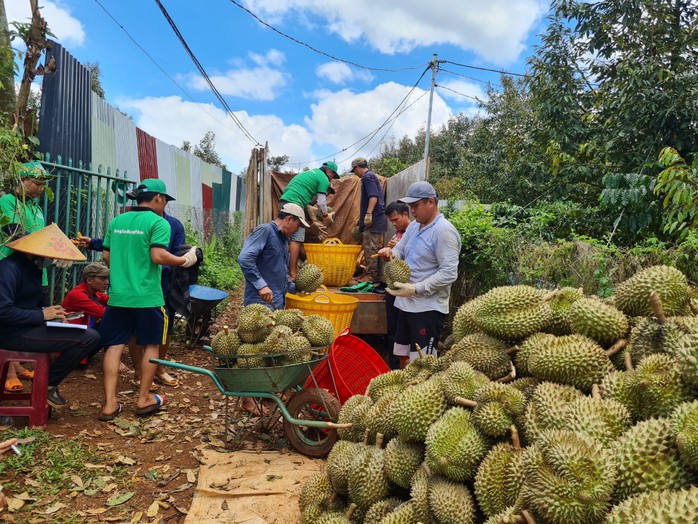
(276, 162)
(8, 99)
(205, 149)
(95, 78)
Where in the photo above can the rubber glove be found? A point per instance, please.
(189, 257)
(405, 290)
(368, 220)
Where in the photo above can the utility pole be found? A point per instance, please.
(434, 64)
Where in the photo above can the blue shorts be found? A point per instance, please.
(119, 324)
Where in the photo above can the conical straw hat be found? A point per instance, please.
(49, 242)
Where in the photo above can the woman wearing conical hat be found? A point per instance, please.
(24, 311)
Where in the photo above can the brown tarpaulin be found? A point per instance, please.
(345, 203)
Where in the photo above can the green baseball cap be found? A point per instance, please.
(153, 185)
(34, 169)
(332, 167)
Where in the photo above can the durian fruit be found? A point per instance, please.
(254, 323)
(510, 515)
(513, 312)
(317, 491)
(354, 411)
(500, 476)
(546, 409)
(295, 346)
(560, 302)
(318, 330)
(655, 387)
(603, 420)
(598, 321)
(401, 460)
(498, 406)
(393, 380)
(277, 341)
(528, 347)
(288, 317)
(450, 502)
(574, 360)
(613, 386)
(484, 353)
(454, 446)
(403, 514)
(396, 271)
(658, 507)
(418, 408)
(419, 495)
(647, 459)
(684, 429)
(339, 517)
(569, 478)
(686, 355)
(526, 385)
(367, 484)
(381, 508)
(247, 356)
(464, 319)
(633, 295)
(309, 278)
(461, 380)
(420, 369)
(226, 342)
(338, 463)
(379, 418)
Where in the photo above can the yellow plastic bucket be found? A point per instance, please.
(336, 260)
(337, 308)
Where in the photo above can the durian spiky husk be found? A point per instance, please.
(418, 408)
(450, 502)
(655, 387)
(484, 353)
(366, 482)
(309, 278)
(318, 330)
(462, 380)
(354, 411)
(603, 323)
(684, 428)
(546, 409)
(254, 323)
(603, 420)
(513, 312)
(633, 295)
(499, 479)
(498, 405)
(401, 460)
(560, 305)
(658, 507)
(396, 271)
(464, 319)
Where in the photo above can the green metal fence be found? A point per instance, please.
(84, 201)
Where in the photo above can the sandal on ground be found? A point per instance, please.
(166, 380)
(13, 385)
(160, 401)
(106, 417)
(136, 383)
(27, 374)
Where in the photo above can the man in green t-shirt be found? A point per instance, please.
(301, 190)
(22, 207)
(135, 248)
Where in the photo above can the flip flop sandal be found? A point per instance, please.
(160, 401)
(106, 417)
(137, 384)
(166, 380)
(27, 374)
(13, 385)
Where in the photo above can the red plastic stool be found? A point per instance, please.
(37, 409)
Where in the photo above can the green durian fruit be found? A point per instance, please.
(366, 482)
(450, 502)
(633, 295)
(396, 271)
(647, 459)
(603, 420)
(354, 411)
(316, 490)
(510, 515)
(418, 408)
(500, 476)
(454, 446)
(686, 355)
(318, 330)
(613, 386)
(419, 495)
(277, 341)
(401, 461)
(403, 514)
(381, 508)
(254, 323)
(464, 319)
(560, 303)
(462, 380)
(527, 348)
(247, 356)
(338, 463)
(569, 478)
(655, 386)
(513, 312)
(658, 507)
(684, 428)
(420, 369)
(292, 318)
(498, 406)
(527, 385)
(484, 353)
(309, 278)
(546, 409)
(379, 418)
(649, 336)
(574, 360)
(600, 322)
(298, 349)
(391, 381)
(226, 342)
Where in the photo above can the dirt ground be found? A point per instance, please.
(161, 454)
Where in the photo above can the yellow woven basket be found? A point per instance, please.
(337, 308)
(336, 259)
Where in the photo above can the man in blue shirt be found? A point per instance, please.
(431, 247)
(372, 220)
(264, 258)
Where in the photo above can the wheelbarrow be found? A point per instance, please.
(309, 414)
(203, 300)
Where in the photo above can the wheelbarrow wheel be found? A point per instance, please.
(312, 404)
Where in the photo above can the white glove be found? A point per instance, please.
(190, 257)
(402, 290)
(64, 264)
(328, 218)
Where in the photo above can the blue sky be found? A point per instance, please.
(304, 104)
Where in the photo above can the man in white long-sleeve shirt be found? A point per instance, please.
(431, 247)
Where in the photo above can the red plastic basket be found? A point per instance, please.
(353, 363)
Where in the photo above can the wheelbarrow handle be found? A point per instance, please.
(192, 369)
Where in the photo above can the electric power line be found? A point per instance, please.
(501, 72)
(205, 75)
(459, 93)
(488, 82)
(186, 93)
(314, 49)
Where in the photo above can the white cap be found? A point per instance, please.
(296, 211)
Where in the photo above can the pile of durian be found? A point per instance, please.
(548, 407)
(264, 339)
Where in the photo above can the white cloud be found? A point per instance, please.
(493, 29)
(343, 117)
(455, 89)
(263, 82)
(340, 73)
(67, 29)
(174, 120)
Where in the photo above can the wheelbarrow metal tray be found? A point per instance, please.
(270, 379)
(204, 299)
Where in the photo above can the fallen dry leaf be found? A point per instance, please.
(115, 501)
(53, 509)
(137, 517)
(13, 504)
(153, 509)
(97, 511)
(76, 480)
(191, 476)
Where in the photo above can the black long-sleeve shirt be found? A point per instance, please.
(21, 294)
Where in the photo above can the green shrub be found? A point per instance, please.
(220, 268)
